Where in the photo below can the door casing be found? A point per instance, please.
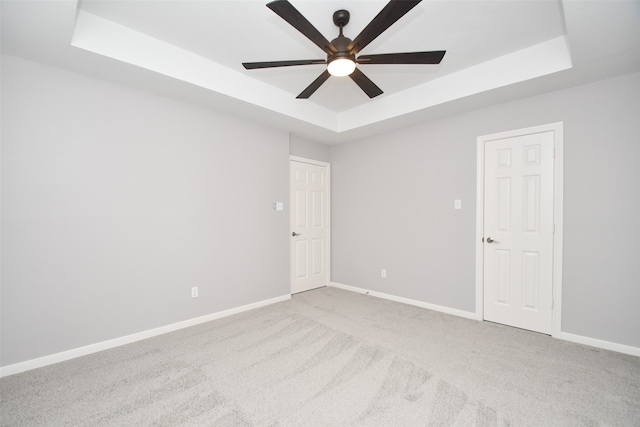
(557, 129)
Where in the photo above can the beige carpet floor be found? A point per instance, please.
(330, 357)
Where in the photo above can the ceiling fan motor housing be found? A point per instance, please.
(341, 43)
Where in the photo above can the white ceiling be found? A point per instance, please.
(193, 50)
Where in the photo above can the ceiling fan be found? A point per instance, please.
(341, 51)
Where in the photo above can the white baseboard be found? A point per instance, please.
(607, 345)
(128, 339)
(579, 339)
(434, 307)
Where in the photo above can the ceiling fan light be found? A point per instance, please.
(340, 67)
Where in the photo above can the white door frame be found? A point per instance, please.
(557, 128)
(328, 245)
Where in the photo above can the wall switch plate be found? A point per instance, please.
(383, 273)
(278, 206)
(457, 204)
(194, 292)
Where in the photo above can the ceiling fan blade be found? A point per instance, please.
(314, 86)
(433, 57)
(365, 83)
(286, 11)
(393, 11)
(272, 64)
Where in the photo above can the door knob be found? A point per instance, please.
(294, 234)
(490, 240)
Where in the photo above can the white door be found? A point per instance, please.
(309, 225)
(518, 230)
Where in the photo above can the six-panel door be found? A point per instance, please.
(518, 230)
(309, 226)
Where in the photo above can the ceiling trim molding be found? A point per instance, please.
(104, 37)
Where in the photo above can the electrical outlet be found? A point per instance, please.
(457, 204)
(383, 273)
(194, 292)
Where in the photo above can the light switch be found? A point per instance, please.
(278, 206)
(457, 204)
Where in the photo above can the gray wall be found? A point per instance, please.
(302, 147)
(116, 202)
(393, 194)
